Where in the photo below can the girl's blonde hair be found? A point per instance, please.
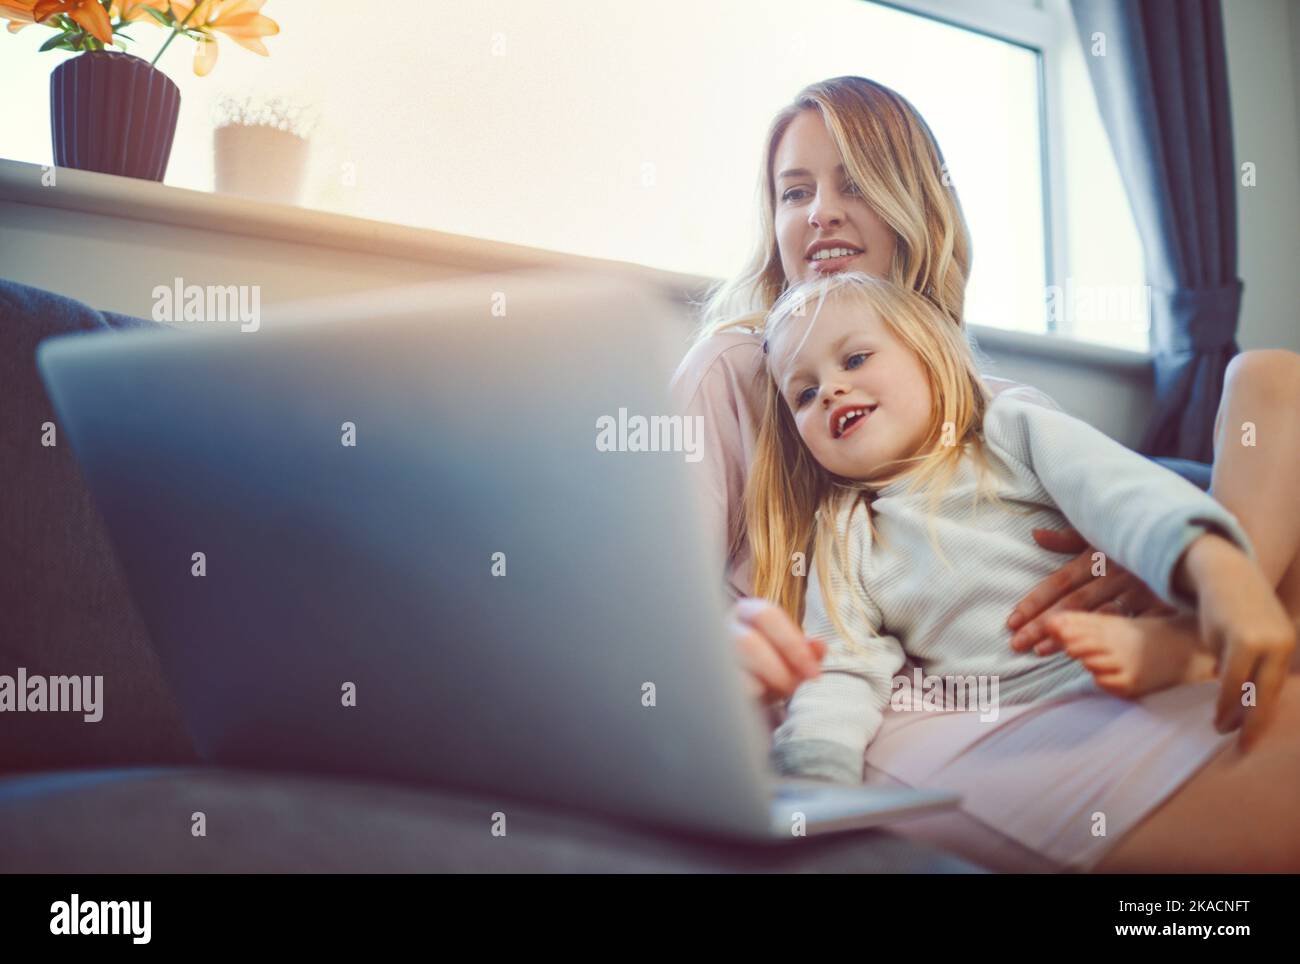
(890, 154)
(792, 502)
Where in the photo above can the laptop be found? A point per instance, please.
(415, 535)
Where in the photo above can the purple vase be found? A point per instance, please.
(113, 112)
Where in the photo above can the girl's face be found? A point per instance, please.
(859, 396)
(816, 203)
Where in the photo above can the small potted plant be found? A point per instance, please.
(111, 111)
(260, 146)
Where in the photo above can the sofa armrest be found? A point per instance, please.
(64, 606)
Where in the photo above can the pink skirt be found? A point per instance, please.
(1048, 786)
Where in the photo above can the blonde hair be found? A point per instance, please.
(792, 502)
(890, 154)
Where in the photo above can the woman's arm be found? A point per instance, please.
(718, 381)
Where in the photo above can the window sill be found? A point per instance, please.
(147, 201)
(1059, 349)
(139, 200)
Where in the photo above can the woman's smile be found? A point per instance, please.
(831, 265)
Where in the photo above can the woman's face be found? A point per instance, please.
(816, 203)
(858, 395)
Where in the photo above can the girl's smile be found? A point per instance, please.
(847, 418)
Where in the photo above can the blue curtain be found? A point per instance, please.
(1162, 88)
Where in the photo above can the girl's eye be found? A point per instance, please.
(850, 363)
(788, 195)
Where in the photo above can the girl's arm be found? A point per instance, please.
(832, 718)
(1135, 512)
(1243, 621)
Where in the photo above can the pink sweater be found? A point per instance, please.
(721, 379)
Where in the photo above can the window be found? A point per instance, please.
(634, 131)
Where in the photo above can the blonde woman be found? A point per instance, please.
(851, 164)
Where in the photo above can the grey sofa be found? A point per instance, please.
(119, 795)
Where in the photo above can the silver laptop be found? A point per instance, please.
(435, 550)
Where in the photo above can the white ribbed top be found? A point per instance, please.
(901, 603)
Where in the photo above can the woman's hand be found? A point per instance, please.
(1243, 621)
(773, 649)
(1073, 586)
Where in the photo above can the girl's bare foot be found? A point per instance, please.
(1129, 657)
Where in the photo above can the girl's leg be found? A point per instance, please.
(1238, 812)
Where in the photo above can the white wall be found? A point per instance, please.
(1263, 38)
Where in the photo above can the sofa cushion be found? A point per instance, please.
(66, 609)
(1198, 473)
(139, 821)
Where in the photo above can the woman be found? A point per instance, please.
(852, 165)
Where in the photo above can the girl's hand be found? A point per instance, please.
(773, 649)
(1073, 586)
(1243, 621)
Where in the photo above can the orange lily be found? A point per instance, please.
(130, 10)
(90, 15)
(18, 13)
(240, 20)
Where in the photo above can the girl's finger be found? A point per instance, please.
(1269, 681)
(786, 638)
(1238, 669)
(765, 665)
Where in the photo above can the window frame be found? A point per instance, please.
(1026, 24)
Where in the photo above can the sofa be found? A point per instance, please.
(120, 795)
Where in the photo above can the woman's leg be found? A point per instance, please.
(1236, 815)
(1260, 482)
(1238, 812)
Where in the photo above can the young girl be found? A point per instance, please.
(881, 451)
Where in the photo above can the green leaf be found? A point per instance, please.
(57, 40)
(166, 19)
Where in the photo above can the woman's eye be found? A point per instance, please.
(848, 362)
(790, 195)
